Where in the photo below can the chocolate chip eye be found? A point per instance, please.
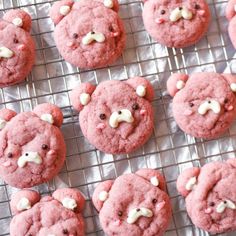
(212, 204)
(44, 146)
(102, 116)
(65, 231)
(75, 36)
(16, 41)
(120, 213)
(9, 155)
(191, 104)
(163, 12)
(135, 106)
(197, 7)
(226, 100)
(110, 28)
(154, 201)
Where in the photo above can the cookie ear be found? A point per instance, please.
(23, 200)
(176, 82)
(19, 18)
(81, 95)
(60, 9)
(142, 87)
(50, 113)
(71, 199)
(5, 116)
(187, 180)
(231, 9)
(111, 4)
(154, 177)
(231, 80)
(101, 194)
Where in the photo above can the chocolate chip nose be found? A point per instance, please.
(138, 209)
(119, 112)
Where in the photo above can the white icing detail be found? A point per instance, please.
(209, 105)
(64, 10)
(178, 13)
(2, 123)
(5, 52)
(48, 118)
(84, 98)
(191, 183)
(69, 203)
(225, 204)
(92, 36)
(134, 214)
(103, 196)
(29, 157)
(154, 181)
(108, 3)
(17, 21)
(180, 84)
(23, 204)
(116, 118)
(234, 7)
(233, 87)
(141, 91)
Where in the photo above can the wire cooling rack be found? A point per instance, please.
(168, 150)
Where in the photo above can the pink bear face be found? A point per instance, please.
(133, 204)
(210, 196)
(32, 146)
(89, 34)
(204, 104)
(176, 23)
(59, 215)
(17, 50)
(115, 116)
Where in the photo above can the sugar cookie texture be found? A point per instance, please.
(88, 34)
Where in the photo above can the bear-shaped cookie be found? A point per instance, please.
(17, 48)
(210, 195)
(58, 215)
(176, 23)
(134, 204)
(230, 15)
(88, 34)
(116, 116)
(32, 145)
(204, 104)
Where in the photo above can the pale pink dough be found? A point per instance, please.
(194, 92)
(27, 135)
(48, 216)
(86, 17)
(211, 200)
(182, 31)
(108, 99)
(16, 66)
(144, 190)
(230, 14)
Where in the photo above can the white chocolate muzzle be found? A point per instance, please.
(136, 213)
(209, 105)
(29, 157)
(6, 52)
(123, 115)
(180, 12)
(221, 207)
(93, 36)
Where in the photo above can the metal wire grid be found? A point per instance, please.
(169, 149)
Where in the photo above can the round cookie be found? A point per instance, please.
(230, 15)
(115, 120)
(58, 215)
(176, 23)
(32, 145)
(133, 204)
(210, 196)
(17, 49)
(204, 104)
(88, 34)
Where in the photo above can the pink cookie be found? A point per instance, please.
(58, 215)
(210, 195)
(176, 23)
(17, 49)
(89, 34)
(32, 145)
(230, 14)
(204, 104)
(133, 204)
(116, 116)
